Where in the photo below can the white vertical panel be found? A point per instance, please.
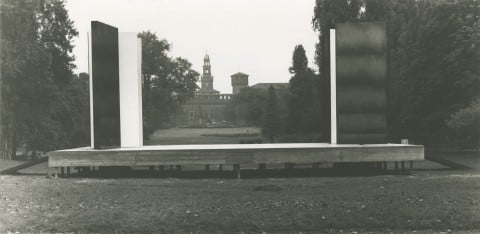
(139, 81)
(129, 55)
(333, 88)
(89, 41)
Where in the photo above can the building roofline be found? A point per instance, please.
(239, 74)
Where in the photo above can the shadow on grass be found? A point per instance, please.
(127, 172)
(338, 170)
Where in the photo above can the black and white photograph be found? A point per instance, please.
(240, 116)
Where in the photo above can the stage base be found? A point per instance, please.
(237, 155)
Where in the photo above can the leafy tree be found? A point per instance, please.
(167, 83)
(36, 68)
(433, 67)
(154, 65)
(183, 79)
(18, 57)
(466, 124)
(56, 33)
(77, 100)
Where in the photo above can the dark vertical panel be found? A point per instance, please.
(361, 77)
(105, 85)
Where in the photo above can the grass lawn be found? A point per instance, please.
(188, 136)
(432, 199)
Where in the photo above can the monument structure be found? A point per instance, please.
(115, 88)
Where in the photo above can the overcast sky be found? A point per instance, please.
(256, 37)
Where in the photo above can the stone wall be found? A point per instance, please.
(203, 110)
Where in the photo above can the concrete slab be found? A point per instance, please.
(235, 154)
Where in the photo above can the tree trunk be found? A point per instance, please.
(13, 146)
(7, 137)
(7, 149)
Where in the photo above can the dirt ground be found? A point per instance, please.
(433, 199)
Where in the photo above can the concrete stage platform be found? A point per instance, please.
(234, 154)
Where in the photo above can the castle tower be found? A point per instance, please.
(239, 81)
(207, 78)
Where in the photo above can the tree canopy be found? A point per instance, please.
(433, 56)
(167, 83)
(303, 102)
(38, 87)
(465, 123)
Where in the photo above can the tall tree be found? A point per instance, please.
(272, 126)
(56, 33)
(433, 71)
(19, 55)
(154, 65)
(36, 65)
(183, 79)
(302, 107)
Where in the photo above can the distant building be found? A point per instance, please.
(208, 106)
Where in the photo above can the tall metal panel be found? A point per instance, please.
(361, 79)
(104, 80)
